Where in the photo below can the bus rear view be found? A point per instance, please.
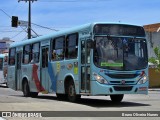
(120, 61)
(3, 68)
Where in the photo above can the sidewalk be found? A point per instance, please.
(2, 118)
(154, 89)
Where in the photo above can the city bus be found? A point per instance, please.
(3, 68)
(96, 59)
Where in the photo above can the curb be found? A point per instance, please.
(154, 89)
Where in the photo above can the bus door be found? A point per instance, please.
(18, 70)
(85, 67)
(1, 70)
(44, 68)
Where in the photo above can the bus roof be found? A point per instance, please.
(60, 33)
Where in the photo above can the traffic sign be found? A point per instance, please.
(23, 23)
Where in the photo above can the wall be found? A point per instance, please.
(153, 40)
(154, 78)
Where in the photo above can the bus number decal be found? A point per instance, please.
(58, 66)
(75, 67)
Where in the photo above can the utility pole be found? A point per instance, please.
(29, 17)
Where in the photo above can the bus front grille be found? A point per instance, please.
(119, 82)
(122, 76)
(123, 88)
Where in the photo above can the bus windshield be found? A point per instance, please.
(120, 53)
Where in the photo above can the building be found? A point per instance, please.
(4, 44)
(153, 37)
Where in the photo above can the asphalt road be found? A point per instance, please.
(11, 100)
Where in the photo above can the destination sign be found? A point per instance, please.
(119, 30)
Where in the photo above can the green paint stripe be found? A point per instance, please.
(112, 64)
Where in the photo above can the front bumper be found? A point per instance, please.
(103, 89)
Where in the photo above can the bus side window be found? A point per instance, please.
(27, 54)
(26, 59)
(72, 46)
(12, 54)
(58, 48)
(54, 55)
(1, 63)
(35, 53)
(6, 59)
(83, 50)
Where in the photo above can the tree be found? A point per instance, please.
(156, 60)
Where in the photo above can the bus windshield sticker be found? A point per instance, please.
(111, 64)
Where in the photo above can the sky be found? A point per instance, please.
(64, 14)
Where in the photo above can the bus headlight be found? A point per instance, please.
(143, 80)
(100, 79)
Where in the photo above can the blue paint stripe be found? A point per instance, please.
(52, 76)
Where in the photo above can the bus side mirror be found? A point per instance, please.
(90, 44)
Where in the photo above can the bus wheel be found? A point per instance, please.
(6, 85)
(61, 96)
(116, 98)
(26, 91)
(33, 94)
(72, 97)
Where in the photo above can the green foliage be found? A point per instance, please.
(153, 60)
(156, 60)
(157, 52)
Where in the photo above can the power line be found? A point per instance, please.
(29, 16)
(22, 27)
(16, 34)
(73, 0)
(59, 1)
(45, 27)
(5, 13)
(9, 31)
(4, 31)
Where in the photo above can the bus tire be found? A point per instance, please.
(71, 92)
(61, 96)
(116, 98)
(33, 94)
(6, 85)
(26, 91)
